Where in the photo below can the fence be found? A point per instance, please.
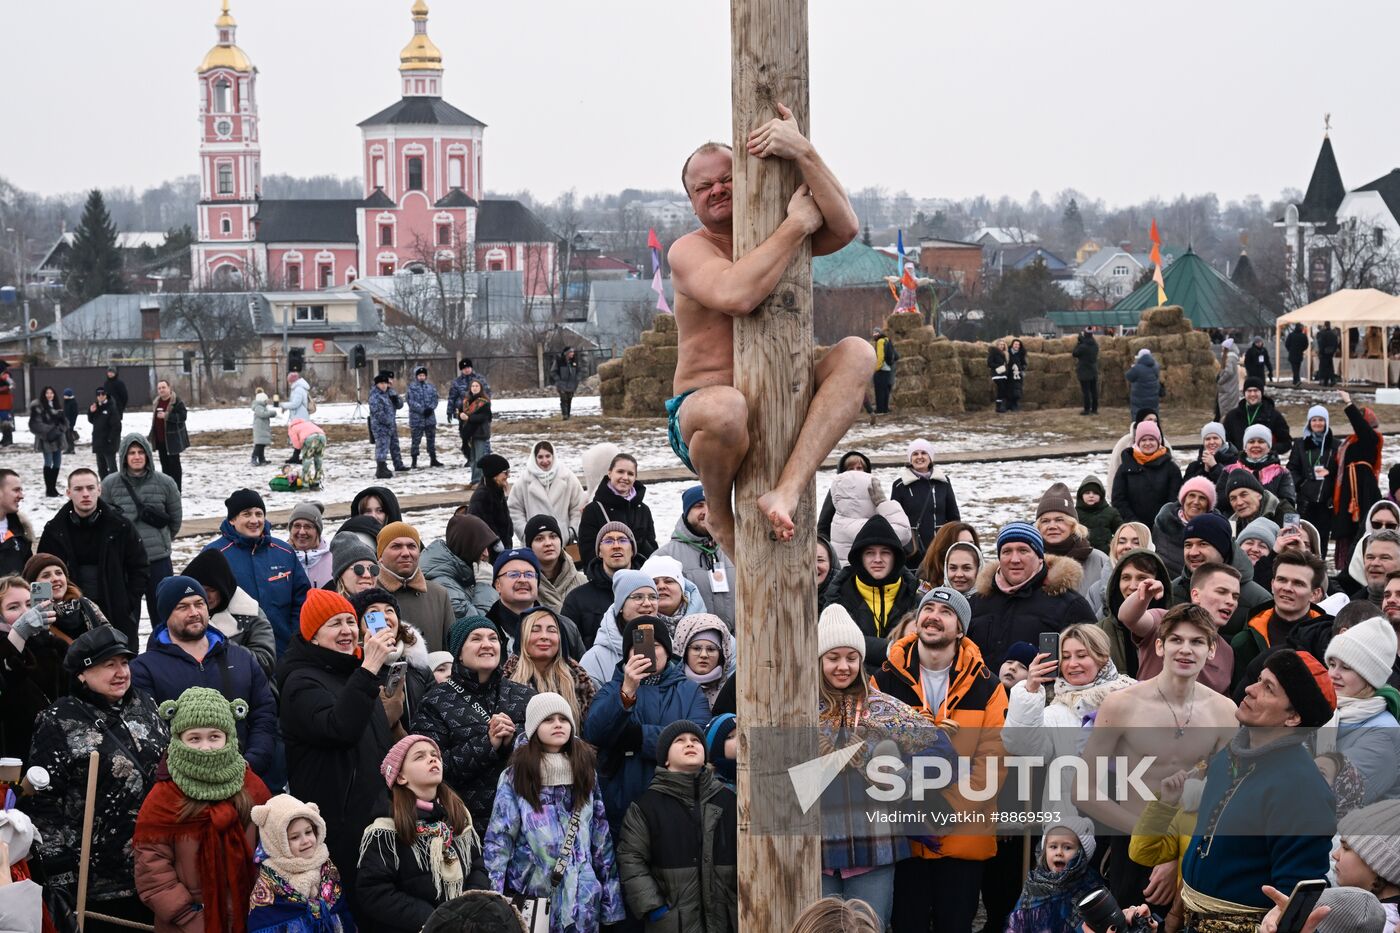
(237, 377)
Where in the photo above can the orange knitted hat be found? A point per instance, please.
(318, 609)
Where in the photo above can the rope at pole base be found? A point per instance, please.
(117, 921)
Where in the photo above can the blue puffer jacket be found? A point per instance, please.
(266, 569)
(422, 403)
(165, 671)
(626, 738)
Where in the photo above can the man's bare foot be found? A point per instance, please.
(719, 521)
(778, 509)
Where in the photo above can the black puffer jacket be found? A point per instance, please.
(130, 737)
(336, 734)
(1303, 460)
(928, 503)
(452, 716)
(588, 603)
(1047, 602)
(1224, 457)
(488, 503)
(678, 848)
(1244, 414)
(844, 591)
(104, 549)
(1141, 489)
(608, 506)
(17, 546)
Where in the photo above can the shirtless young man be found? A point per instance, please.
(1170, 718)
(708, 416)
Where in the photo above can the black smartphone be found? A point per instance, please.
(1050, 646)
(1301, 903)
(644, 643)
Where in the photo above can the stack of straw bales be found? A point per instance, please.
(937, 375)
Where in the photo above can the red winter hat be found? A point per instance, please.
(1304, 679)
(319, 608)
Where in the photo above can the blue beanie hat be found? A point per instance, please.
(464, 627)
(624, 584)
(171, 590)
(1213, 530)
(1022, 651)
(690, 497)
(1022, 533)
(515, 553)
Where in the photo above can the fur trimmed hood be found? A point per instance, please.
(1059, 575)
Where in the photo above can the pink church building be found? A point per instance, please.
(423, 205)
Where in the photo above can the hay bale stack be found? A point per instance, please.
(903, 324)
(911, 365)
(1056, 364)
(654, 338)
(1169, 319)
(664, 324)
(610, 369)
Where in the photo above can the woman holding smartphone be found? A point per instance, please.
(1058, 725)
(407, 675)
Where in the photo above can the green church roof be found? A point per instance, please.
(1205, 294)
(851, 265)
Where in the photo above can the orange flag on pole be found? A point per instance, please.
(1156, 257)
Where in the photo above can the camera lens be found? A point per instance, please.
(1100, 911)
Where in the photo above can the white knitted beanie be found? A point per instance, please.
(541, 707)
(836, 629)
(1367, 648)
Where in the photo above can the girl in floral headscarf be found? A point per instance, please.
(298, 888)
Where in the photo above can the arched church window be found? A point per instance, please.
(225, 178)
(454, 172)
(223, 96)
(415, 173)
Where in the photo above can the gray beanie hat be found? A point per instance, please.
(1353, 911)
(352, 551)
(954, 600)
(1261, 529)
(309, 511)
(1373, 833)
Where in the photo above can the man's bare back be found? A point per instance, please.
(708, 416)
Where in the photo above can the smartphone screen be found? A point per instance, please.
(375, 622)
(1301, 903)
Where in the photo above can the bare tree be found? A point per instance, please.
(221, 325)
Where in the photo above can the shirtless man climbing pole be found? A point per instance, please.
(708, 416)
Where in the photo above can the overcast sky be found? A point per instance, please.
(1122, 101)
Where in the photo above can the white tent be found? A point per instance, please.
(1350, 307)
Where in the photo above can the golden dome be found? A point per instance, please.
(420, 54)
(225, 55)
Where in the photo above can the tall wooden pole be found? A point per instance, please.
(775, 597)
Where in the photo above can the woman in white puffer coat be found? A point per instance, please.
(857, 498)
(546, 488)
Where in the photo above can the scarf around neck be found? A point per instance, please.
(1074, 547)
(1144, 459)
(546, 477)
(1050, 899)
(1086, 699)
(302, 874)
(225, 857)
(628, 497)
(206, 775)
(556, 770)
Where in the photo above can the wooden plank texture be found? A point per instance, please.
(775, 599)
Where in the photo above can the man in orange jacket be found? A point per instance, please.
(940, 673)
